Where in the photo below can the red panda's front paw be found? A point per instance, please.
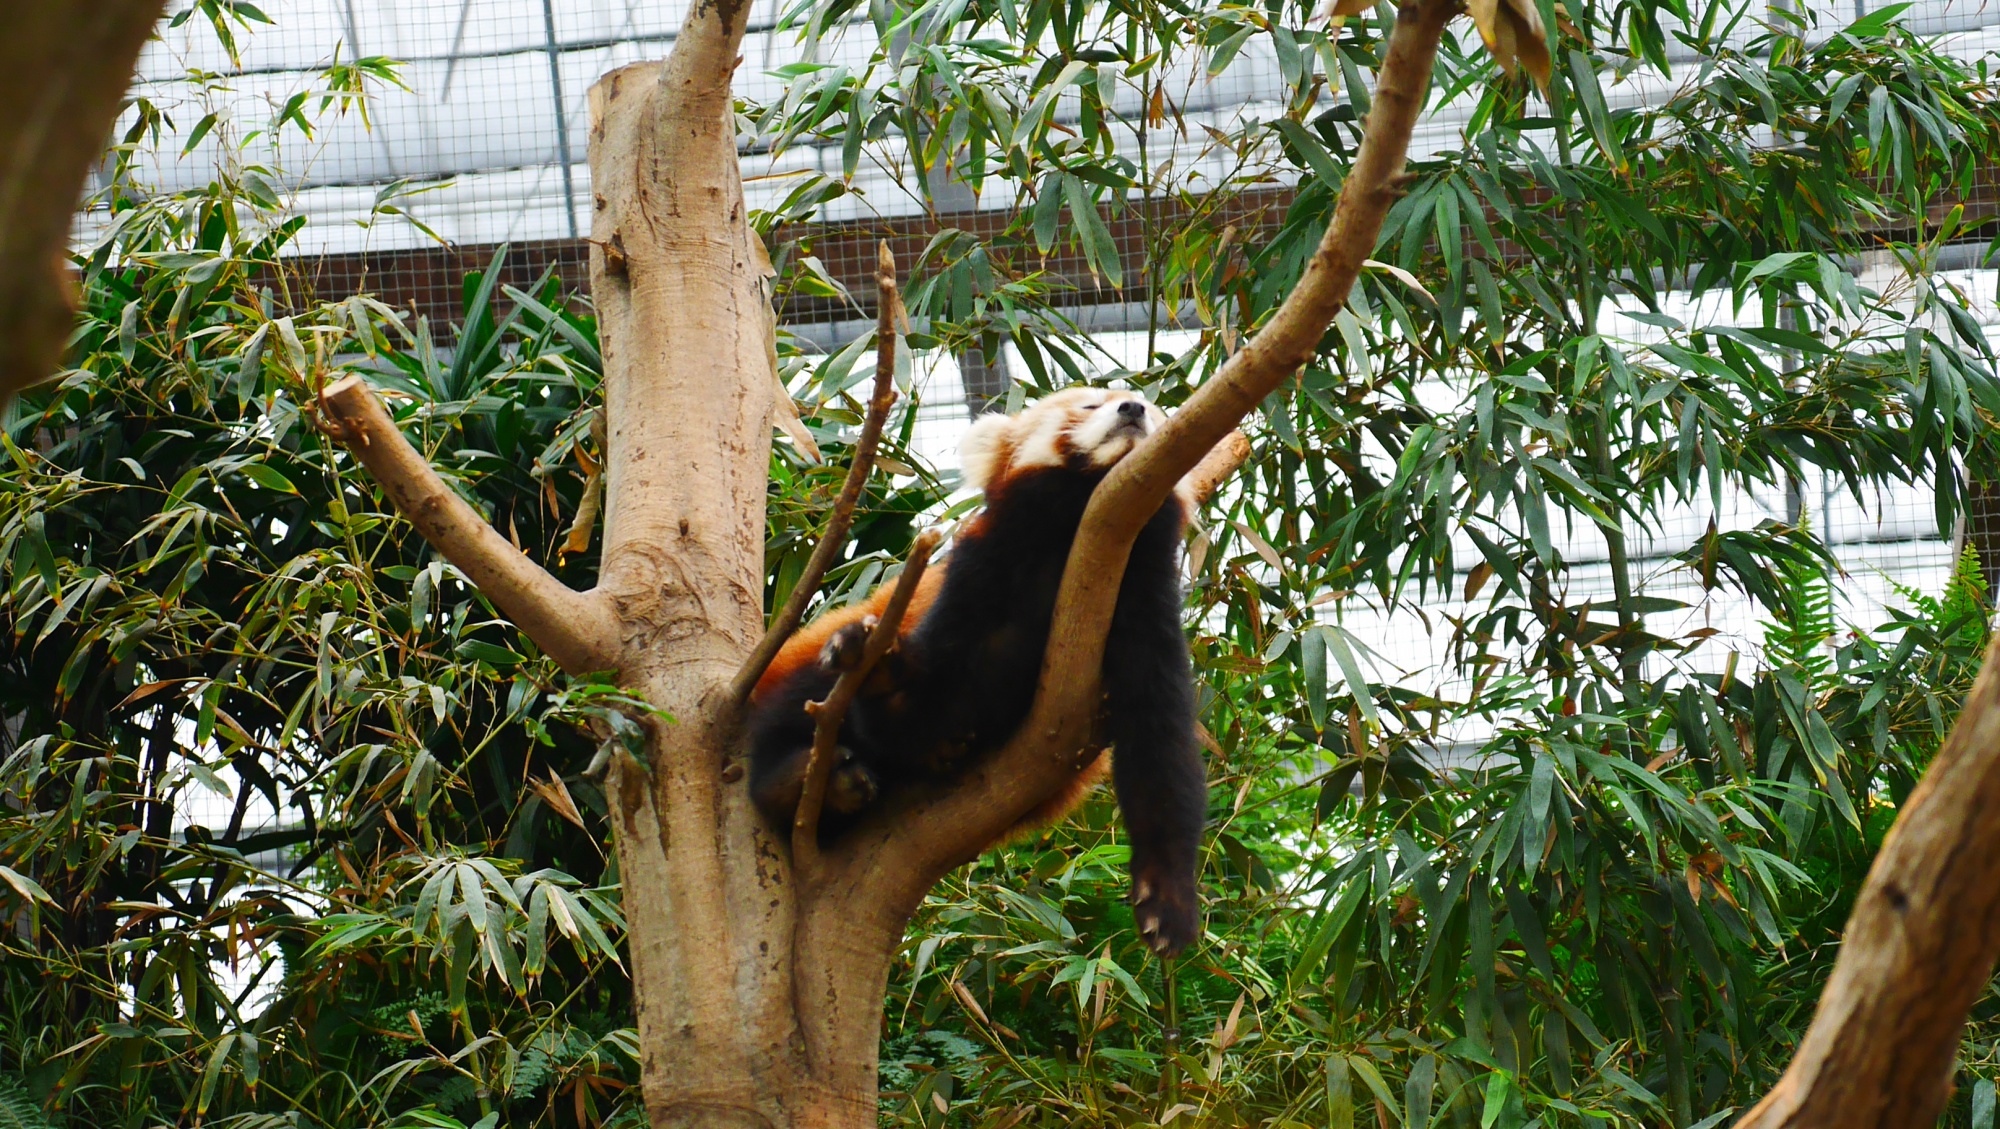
(1164, 906)
(851, 788)
(843, 648)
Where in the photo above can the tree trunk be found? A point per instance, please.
(64, 66)
(1918, 950)
(683, 318)
(759, 979)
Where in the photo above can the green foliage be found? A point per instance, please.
(18, 1110)
(207, 599)
(296, 829)
(1348, 961)
(1623, 907)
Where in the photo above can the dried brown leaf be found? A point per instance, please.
(1263, 548)
(1476, 579)
(1513, 33)
(578, 538)
(1225, 1033)
(141, 693)
(556, 794)
(1400, 275)
(788, 421)
(965, 997)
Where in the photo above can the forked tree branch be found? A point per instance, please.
(914, 845)
(831, 711)
(64, 67)
(574, 628)
(1918, 950)
(830, 542)
(1216, 467)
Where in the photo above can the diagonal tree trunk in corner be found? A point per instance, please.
(64, 67)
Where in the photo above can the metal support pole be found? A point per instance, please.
(562, 114)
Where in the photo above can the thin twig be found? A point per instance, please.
(830, 542)
(577, 629)
(830, 712)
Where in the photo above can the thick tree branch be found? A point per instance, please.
(1918, 951)
(829, 713)
(909, 849)
(830, 542)
(574, 628)
(683, 304)
(64, 67)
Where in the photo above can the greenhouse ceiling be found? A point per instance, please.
(487, 142)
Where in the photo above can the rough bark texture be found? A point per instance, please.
(759, 997)
(684, 315)
(64, 66)
(1919, 949)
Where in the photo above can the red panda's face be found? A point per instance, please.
(1087, 427)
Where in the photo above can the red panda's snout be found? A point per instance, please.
(1109, 431)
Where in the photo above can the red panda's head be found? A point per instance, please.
(1082, 429)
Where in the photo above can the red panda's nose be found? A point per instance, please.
(1132, 409)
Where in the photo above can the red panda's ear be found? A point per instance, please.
(984, 447)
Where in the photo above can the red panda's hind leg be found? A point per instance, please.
(842, 650)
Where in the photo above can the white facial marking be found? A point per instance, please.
(1101, 425)
(1041, 429)
(1113, 426)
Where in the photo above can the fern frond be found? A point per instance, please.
(19, 1109)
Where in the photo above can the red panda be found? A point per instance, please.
(969, 654)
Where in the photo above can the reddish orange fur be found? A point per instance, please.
(802, 649)
(1053, 810)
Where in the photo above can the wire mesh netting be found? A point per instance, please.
(481, 137)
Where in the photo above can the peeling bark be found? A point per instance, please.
(64, 67)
